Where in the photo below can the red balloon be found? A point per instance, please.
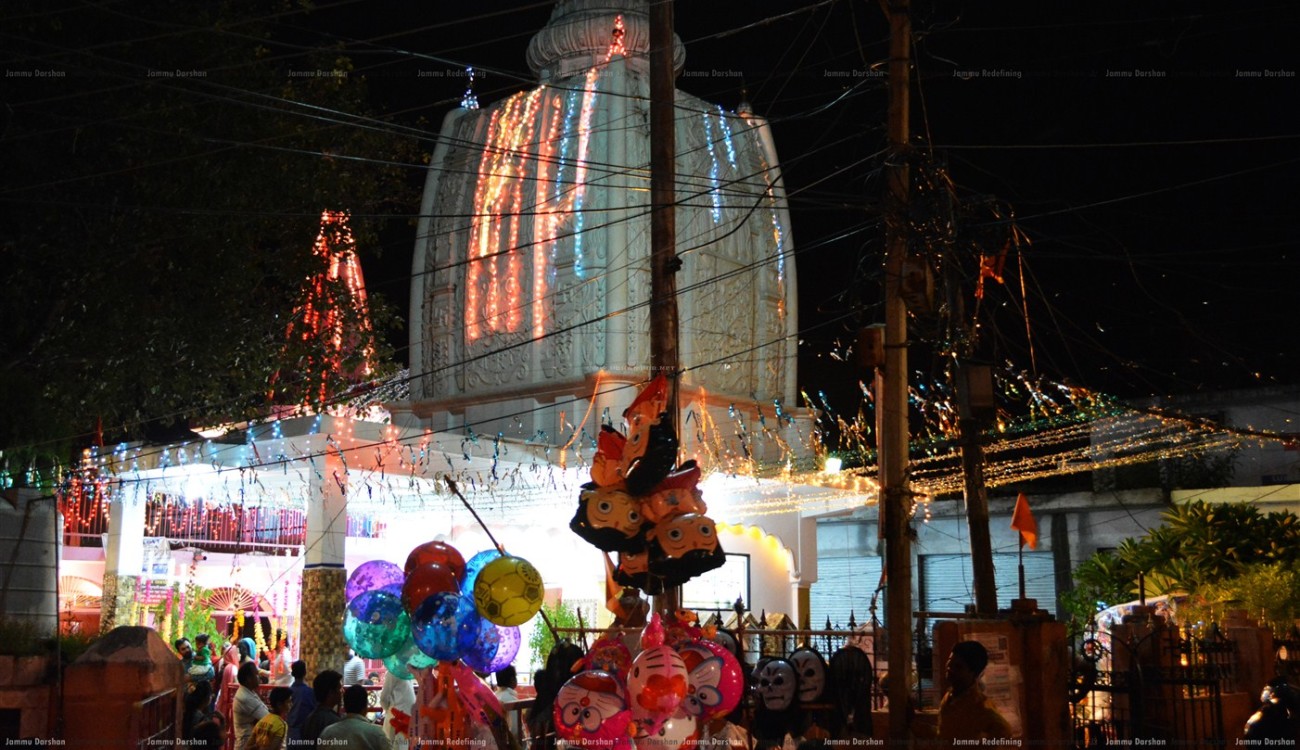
(439, 552)
(425, 581)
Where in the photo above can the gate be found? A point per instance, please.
(1151, 684)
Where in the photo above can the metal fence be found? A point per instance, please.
(1159, 685)
(153, 721)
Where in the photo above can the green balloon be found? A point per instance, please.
(376, 624)
(408, 657)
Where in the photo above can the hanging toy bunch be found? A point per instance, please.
(641, 507)
(657, 702)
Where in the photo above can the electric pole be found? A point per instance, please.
(663, 221)
(974, 410)
(895, 502)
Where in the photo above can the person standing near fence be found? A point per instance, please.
(965, 713)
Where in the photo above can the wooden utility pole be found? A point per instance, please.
(974, 408)
(891, 384)
(663, 220)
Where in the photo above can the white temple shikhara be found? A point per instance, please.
(531, 277)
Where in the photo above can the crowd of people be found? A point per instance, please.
(228, 705)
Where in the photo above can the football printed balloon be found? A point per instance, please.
(508, 591)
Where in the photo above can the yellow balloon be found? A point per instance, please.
(508, 591)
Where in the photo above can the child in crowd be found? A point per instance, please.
(201, 669)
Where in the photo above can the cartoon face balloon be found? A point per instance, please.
(715, 682)
(677, 495)
(810, 668)
(633, 569)
(776, 684)
(679, 730)
(591, 710)
(609, 518)
(684, 547)
(656, 686)
(607, 464)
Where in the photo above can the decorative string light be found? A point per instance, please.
(469, 100)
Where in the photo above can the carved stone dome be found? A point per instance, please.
(579, 34)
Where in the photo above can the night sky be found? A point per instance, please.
(1147, 151)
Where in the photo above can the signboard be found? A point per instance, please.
(157, 558)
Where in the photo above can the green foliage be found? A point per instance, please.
(21, 638)
(1215, 553)
(1100, 581)
(1269, 593)
(163, 192)
(73, 645)
(542, 641)
(198, 618)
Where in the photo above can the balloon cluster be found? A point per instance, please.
(660, 699)
(441, 608)
(638, 505)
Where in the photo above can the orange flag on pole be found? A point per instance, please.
(1022, 520)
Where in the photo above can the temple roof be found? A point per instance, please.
(578, 37)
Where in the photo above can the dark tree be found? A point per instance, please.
(165, 167)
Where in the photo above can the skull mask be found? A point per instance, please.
(776, 684)
(811, 670)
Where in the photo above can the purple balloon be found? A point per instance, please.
(506, 649)
(372, 576)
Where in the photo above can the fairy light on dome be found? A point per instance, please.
(469, 100)
(495, 276)
(714, 191)
(618, 36)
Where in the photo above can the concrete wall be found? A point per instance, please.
(29, 559)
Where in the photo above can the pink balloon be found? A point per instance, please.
(655, 686)
(591, 711)
(715, 683)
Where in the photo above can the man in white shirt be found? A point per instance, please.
(248, 708)
(354, 670)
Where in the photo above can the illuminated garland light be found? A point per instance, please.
(322, 316)
(778, 233)
(714, 190)
(495, 293)
(616, 46)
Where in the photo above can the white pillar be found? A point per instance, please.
(123, 558)
(327, 514)
(324, 577)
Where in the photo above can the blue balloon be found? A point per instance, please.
(477, 637)
(376, 625)
(475, 564)
(434, 626)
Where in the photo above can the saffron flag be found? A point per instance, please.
(1022, 520)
